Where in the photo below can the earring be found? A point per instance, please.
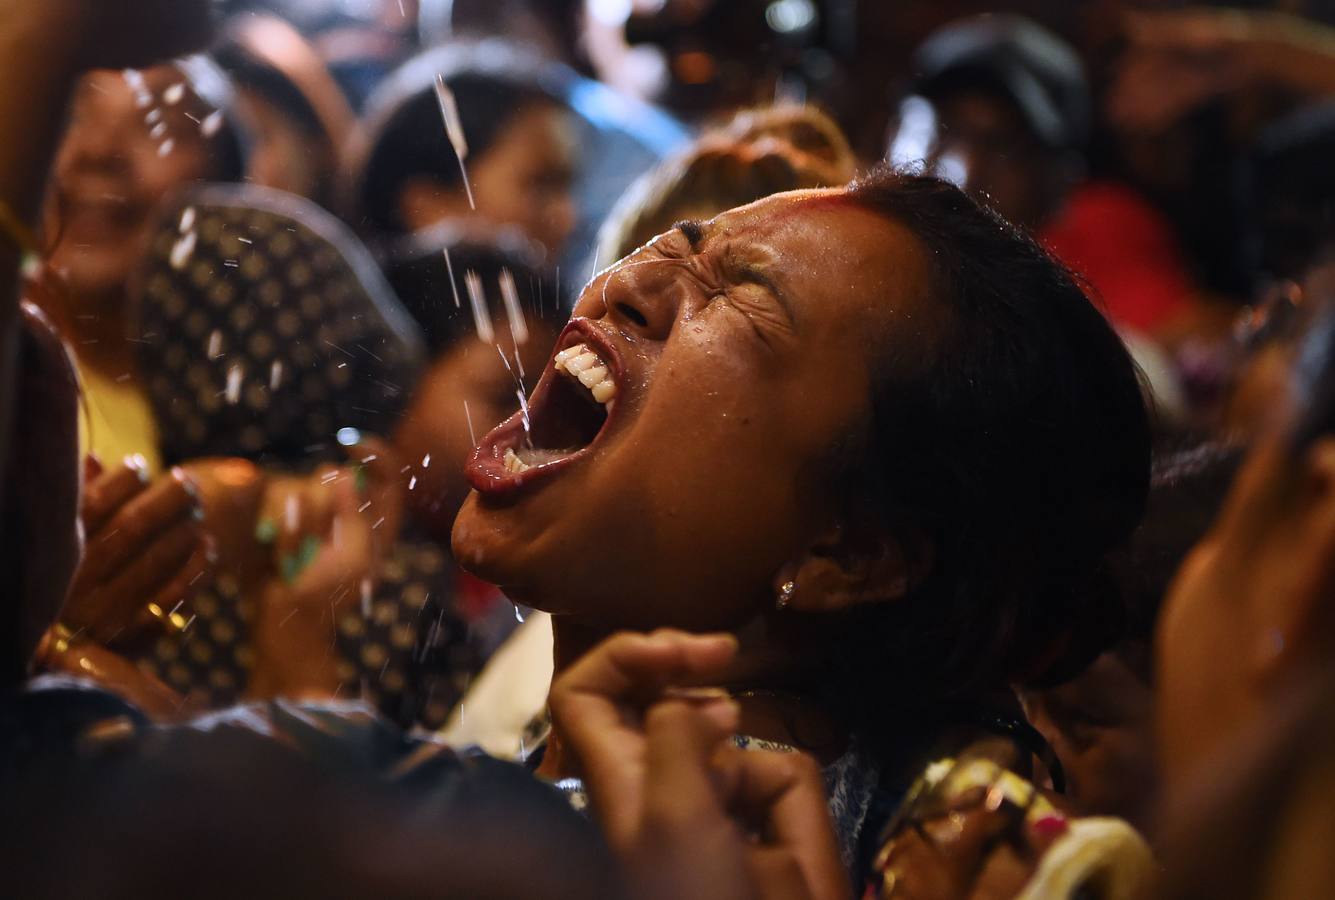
(785, 595)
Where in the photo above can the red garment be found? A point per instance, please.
(1126, 250)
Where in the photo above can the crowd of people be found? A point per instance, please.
(724, 448)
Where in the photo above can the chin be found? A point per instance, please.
(485, 547)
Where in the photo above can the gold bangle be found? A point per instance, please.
(173, 620)
(61, 637)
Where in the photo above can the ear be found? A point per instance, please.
(851, 566)
(1299, 624)
(424, 201)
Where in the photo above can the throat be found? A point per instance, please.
(790, 715)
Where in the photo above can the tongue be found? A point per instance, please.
(538, 456)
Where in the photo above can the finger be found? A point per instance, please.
(777, 875)
(345, 556)
(104, 494)
(307, 521)
(623, 674)
(784, 794)
(633, 665)
(126, 594)
(168, 501)
(681, 739)
(180, 587)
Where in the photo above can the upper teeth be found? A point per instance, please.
(583, 364)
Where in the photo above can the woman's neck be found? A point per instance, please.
(97, 332)
(776, 705)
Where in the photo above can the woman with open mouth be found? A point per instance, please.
(874, 432)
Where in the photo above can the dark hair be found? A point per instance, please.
(1018, 441)
(1187, 490)
(406, 135)
(417, 270)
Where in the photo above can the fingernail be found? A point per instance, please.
(1051, 825)
(187, 484)
(361, 480)
(136, 463)
(288, 568)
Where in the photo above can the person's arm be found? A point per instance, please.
(1178, 59)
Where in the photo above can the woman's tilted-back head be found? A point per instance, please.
(873, 418)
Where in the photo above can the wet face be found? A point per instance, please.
(668, 478)
(525, 178)
(124, 151)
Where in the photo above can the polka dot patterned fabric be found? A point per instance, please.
(265, 328)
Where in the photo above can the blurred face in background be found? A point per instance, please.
(980, 143)
(524, 179)
(128, 145)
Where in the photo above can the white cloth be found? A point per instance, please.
(509, 692)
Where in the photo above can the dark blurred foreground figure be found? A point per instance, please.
(1001, 107)
(286, 800)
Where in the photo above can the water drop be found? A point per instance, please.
(234, 376)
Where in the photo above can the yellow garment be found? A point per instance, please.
(119, 421)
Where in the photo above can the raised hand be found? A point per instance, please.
(688, 812)
(145, 552)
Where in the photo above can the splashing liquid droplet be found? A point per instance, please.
(449, 270)
(454, 130)
(481, 313)
(234, 376)
(513, 313)
(468, 414)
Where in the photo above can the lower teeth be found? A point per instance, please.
(513, 463)
(529, 457)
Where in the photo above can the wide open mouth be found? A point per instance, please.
(568, 412)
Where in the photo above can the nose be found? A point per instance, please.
(100, 148)
(641, 297)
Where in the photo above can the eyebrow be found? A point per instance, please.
(693, 231)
